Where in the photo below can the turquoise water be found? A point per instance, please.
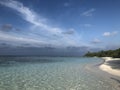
(49, 73)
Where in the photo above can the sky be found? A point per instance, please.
(63, 27)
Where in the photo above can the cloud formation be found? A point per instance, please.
(41, 32)
(6, 37)
(29, 15)
(96, 41)
(107, 34)
(88, 12)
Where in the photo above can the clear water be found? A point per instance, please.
(49, 73)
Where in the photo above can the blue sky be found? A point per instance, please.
(60, 24)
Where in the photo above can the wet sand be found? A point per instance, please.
(97, 69)
(111, 65)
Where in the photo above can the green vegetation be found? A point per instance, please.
(109, 53)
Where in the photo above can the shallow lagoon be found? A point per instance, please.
(49, 73)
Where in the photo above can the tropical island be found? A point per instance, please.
(108, 53)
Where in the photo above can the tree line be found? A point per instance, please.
(108, 53)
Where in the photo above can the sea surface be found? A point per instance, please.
(50, 73)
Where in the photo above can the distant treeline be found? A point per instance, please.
(108, 53)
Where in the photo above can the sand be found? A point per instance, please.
(107, 68)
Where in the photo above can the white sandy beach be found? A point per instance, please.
(108, 68)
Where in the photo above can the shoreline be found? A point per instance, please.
(107, 68)
(110, 78)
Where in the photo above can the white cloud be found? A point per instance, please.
(19, 39)
(88, 12)
(45, 33)
(107, 34)
(95, 41)
(29, 15)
